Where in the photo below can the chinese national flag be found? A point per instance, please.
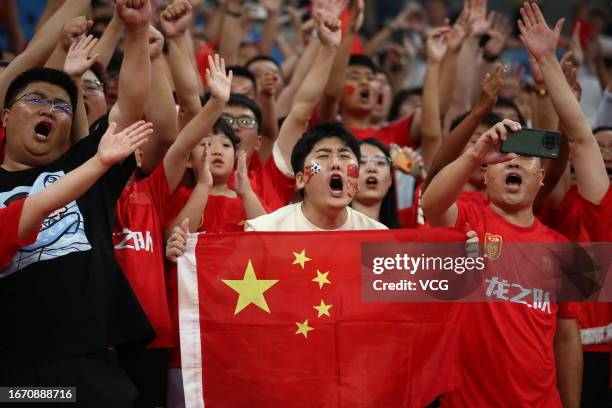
(276, 320)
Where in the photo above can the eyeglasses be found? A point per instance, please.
(244, 122)
(380, 161)
(91, 86)
(38, 99)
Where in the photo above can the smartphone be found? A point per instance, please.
(533, 142)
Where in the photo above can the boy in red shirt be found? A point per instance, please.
(20, 221)
(513, 342)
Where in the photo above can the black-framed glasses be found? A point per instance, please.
(91, 86)
(244, 122)
(39, 99)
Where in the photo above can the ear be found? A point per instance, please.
(541, 175)
(300, 180)
(484, 174)
(5, 115)
(258, 143)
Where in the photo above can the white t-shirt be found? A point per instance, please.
(291, 218)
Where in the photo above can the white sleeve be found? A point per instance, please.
(277, 156)
(604, 111)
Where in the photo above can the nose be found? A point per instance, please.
(335, 164)
(513, 164)
(370, 167)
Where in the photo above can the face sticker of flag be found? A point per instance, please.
(314, 168)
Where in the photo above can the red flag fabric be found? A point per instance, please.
(276, 320)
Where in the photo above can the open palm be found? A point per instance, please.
(114, 147)
(78, 60)
(219, 83)
(539, 39)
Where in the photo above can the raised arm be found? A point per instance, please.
(252, 206)
(232, 32)
(43, 43)
(16, 39)
(591, 177)
(177, 156)
(113, 148)
(431, 127)
(175, 21)
(269, 123)
(459, 137)
(308, 95)
(108, 41)
(160, 108)
(439, 201)
(135, 73)
(72, 31)
(270, 27)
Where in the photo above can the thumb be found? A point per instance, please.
(559, 26)
(111, 128)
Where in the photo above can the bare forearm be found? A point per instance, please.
(252, 206)
(448, 72)
(193, 209)
(568, 354)
(16, 39)
(108, 42)
(57, 58)
(80, 125)
(51, 7)
(269, 126)
(465, 74)
(68, 188)
(431, 128)
(231, 37)
(375, 44)
(313, 86)
(333, 88)
(184, 78)
(269, 33)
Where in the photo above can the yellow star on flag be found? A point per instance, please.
(303, 328)
(323, 309)
(300, 258)
(250, 290)
(321, 279)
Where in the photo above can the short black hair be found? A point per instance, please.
(490, 120)
(363, 61)
(264, 58)
(245, 102)
(602, 129)
(39, 74)
(399, 99)
(508, 103)
(222, 128)
(314, 135)
(243, 72)
(388, 207)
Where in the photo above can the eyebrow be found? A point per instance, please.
(41, 93)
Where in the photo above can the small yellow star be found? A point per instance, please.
(250, 290)
(323, 309)
(303, 328)
(321, 279)
(300, 258)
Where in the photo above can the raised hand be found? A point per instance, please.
(499, 31)
(156, 43)
(491, 87)
(486, 150)
(78, 60)
(357, 15)
(537, 37)
(477, 19)
(267, 84)
(114, 147)
(333, 7)
(176, 18)
(409, 19)
(202, 171)
(73, 30)
(569, 70)
(457, 34)
(575, 46)
(135, 14)
(536, 71)
(328, 29)
(242, 183)
(437, 44)
(219, 83)
(176, 245)
(272, 6)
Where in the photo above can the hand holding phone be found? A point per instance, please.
(533, 142)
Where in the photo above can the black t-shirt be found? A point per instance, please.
(65, 295)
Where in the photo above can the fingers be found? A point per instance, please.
(559, 26)
(514, 126)
(131, 128)
(185, 226)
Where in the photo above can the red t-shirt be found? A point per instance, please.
(569, 218)
(507, 355)
(2, 142)
(274, 188)
(139, 248)
(221, 214)
(397, 132)
(9, 225)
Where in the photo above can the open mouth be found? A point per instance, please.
(380, 99)
(364, 95)
(336, 186)
(371, 182)
(43, 130)
(513, 181)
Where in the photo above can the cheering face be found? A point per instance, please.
(360, 91)
(93, 96)
(604, 140)
(374, 175)
(221, 156)
(506, 112)
(331, 175)
(38, 124)
(514, 184)
(243, 121)
(259, 68)
(385, 97)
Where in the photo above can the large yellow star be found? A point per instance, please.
(323, 309)
(250, 289)
(303, 328)
(300, 258)
(321, 279)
